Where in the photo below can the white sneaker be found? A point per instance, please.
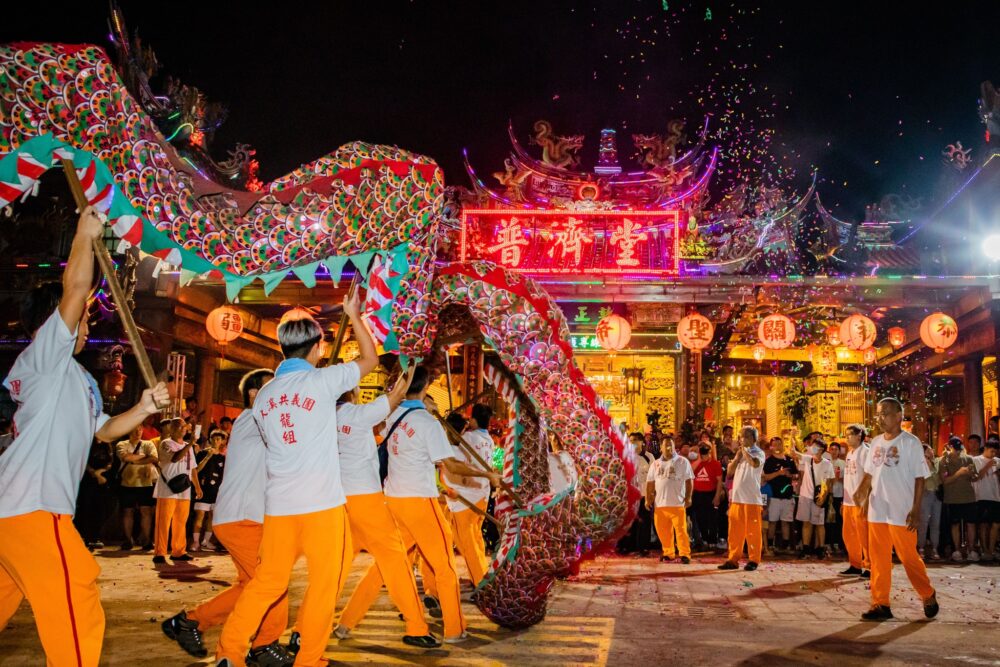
(721, 544)
(341, 632)
(973, 556)
(935, 555)
(957, 556)
(457, 640)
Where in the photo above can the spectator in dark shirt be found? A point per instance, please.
(779, 470)
(707, 495)
(211, 465)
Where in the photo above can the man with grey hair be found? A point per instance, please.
(746, 502)
(304, 511)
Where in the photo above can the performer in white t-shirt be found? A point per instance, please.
(816, 475)
(304, 510)
(372, 526)
(59, 413)
(669, 485)
(746, 502)
(892, 489)
(855, 521)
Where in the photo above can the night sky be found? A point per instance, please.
(870, 94)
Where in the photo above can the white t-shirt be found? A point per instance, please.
(670, 480)
(472, 489)
(358, 449)
(854, 472)
(241, 495)
(297, 414)
(171, 469)
(414, 447)
(894, 466)
(986, 488)
(837, 488)
(822, 470)
(642, 462)
(59, 409)
(562, 471)
(746, 479)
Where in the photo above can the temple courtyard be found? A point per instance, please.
(617, 611)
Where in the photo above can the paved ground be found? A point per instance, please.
(618, 611)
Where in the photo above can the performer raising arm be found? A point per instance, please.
(58, 414)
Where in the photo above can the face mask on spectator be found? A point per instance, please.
(693, 455)
(814, 450)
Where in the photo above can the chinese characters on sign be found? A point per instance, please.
(591, 242)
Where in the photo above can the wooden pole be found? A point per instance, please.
(460, 441)
(447, 371)
(338, 341)
(117, 293)
(468, 503)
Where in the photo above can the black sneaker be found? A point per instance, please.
(866, 575)
(685, 560)
(185, 632)
(433, 606)
(294, 643)
(127, 546)
(931, 607)
(852, 572)
(147, 547)
(821, 554)
(183, 558)
(426, 641)
(750, 567)
(729, 565)
(272, 655)
(803, 554)
(159, 560)
(877, 613)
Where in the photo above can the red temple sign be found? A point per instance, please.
(592, 242)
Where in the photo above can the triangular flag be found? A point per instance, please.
(235, 283)
(307, 273)
(271, 280)
(335, 265)
(187, 276)
(362, 261)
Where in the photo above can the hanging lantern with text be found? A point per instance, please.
(870, 356)
(833, 335)
(858, 332)
(776, 332)
(897, 336)
(613, 333)
(938, 331)
(224, 324)
(758, 351)
(825, 359)
(695, 331)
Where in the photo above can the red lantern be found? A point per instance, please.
(613, 333)
(833, 335)
(938, 331)
(224, 324)
(825, 359)
(776, 332)
(858, 332)
(695, 331)
(870, 355)
(897, 336)
(759, 352)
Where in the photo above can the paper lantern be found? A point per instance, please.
(613, 333)
(897, 336)
(833, 335)
(858, 332)
(224, 324)
(938, 331)
(776, 332)
(695, 331)
(825, 359)
(759, 351)
(870, 355)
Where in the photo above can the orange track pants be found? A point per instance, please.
(42, 558)
(856, 536)
(171, 526)
(744, 526)
(468, 529)
(421, 522)
(324, 538)
(242, 539)
(667, 520)
(882, 537)
(374, 530)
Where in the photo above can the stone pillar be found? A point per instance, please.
(973, 395)
(208, 364)
(823, 394)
